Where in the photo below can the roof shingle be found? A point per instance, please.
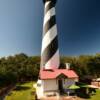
(45, 74)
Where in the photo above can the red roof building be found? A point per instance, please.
(52, 74)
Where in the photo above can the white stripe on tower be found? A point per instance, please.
(49, 14)
(49, 52)
(49, 36)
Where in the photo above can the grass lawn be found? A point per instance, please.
(22, 92)
(96, 96)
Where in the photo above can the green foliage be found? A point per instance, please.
(20, 68)
(83, 64)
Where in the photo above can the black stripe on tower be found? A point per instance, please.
(50, 51)
(49, 24)
(49, 7)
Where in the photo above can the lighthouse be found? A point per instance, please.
(50, 50)
(52, 80)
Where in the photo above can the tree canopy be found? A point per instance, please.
(21, 67)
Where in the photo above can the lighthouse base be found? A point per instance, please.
(44, 91)
(55, 82)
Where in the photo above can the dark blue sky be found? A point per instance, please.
(78, 24)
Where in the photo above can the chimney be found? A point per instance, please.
(67, 66)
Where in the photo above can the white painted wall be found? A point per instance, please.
(50, 85)
(39, 89)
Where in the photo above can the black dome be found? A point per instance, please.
(54, 1)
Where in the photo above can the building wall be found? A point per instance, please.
(39, 88)
(95, 83)
(68, 82)
(50, 85)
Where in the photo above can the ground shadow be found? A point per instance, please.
(83, 94)
(10, 93)
(21, 88)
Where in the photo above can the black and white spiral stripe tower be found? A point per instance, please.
(49, 52)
